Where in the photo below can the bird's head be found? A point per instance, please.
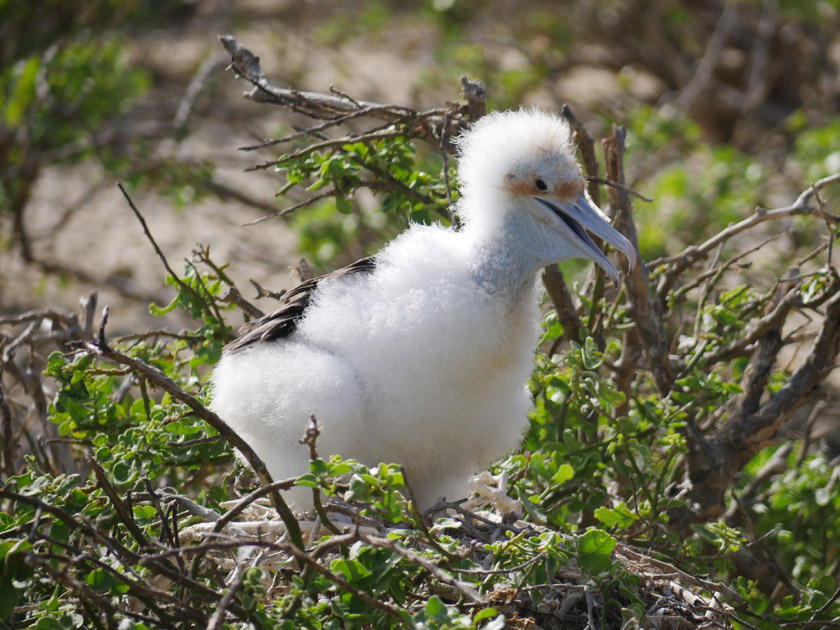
(519, 174)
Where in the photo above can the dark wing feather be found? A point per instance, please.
(283, 321)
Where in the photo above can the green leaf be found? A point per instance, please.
(9, 596)
(563, 474)
(23, 93)
(343, 205)
(436, 609)
(620, 517)
(144, 512)
(60, 531)
(308, 481)
(594, 548)
(485, 613)
(101, 580)
(352, 570)
(48, 623)
(159, 311)
(591, 354)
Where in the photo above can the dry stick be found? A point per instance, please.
(149, 595)
(421, 523)
(233, 295)
(217, 619)
(311, 131)
(623, 187)
(309, 440)
(86, 593)
(306, 202)
(476, 97)
(711, 57)
(314, 105)
(123, 511)
(775, 317)
(640, 558)
(208, 298)
(826, 606)
(757, 371)
(586, 146)
(824, 216)
(8, 442)
(806, 437)
(644, 311)
(166, 530)
(757, 75)
(332, 143)
(157, 249)
(563, 302)
(158, 378)
(65, 319)
(209, 66)
(715, 272)
(184, 335)
(518, 567)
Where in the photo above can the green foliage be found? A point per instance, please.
(407, 188)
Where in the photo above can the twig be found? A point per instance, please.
(208, 67)
(157, 249)
(563, 302)
(622, 187)
(429, 566)
(332, 143)
(8, 442)
(307, 202)
(806, 437)
(126, 517)
(644, 311)
(217, 618)
(711, 57)
(586, 146)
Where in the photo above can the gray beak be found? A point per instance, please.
(580, 216)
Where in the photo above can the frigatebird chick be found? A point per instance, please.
(420, 354)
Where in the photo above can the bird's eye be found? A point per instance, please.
(540, 184)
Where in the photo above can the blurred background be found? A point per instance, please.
(728, 105)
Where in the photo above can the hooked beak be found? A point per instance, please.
(580, 216)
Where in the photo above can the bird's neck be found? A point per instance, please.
(502, 264)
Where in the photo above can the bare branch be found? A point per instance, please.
(644, 311)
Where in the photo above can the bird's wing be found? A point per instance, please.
(283, 321)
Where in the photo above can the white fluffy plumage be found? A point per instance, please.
(421, 356)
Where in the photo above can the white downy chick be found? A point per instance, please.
(420, 354)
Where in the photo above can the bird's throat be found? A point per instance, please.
(504, 270)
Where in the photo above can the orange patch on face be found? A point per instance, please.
(570, 190)
(567, 190)
(524, 187)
